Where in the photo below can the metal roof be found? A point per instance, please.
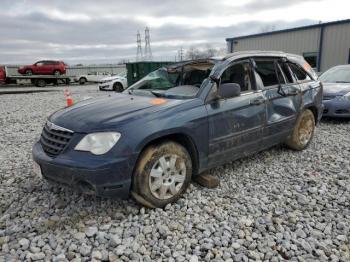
(290, 29)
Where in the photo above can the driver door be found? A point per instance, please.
(236, 123)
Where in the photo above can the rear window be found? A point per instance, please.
(299, 73)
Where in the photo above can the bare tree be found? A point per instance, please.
(207, 52)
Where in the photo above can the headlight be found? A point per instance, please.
(98, 143)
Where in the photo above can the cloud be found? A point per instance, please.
(105, 31)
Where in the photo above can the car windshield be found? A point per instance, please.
(179, 82)
(336, 75)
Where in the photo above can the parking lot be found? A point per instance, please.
(275, 205)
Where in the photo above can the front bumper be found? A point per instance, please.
(111, 180)
(336, 108)
(105, 86)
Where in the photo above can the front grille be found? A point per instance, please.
(54, 139)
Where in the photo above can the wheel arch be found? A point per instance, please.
(314, 110)
(179, 137)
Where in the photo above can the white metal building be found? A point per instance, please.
(323, 45)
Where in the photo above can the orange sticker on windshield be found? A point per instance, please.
(158, 101)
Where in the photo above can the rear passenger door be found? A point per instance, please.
(283, 98)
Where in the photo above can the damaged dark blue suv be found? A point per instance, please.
(179, 121)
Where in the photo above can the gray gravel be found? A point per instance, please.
(274, 206)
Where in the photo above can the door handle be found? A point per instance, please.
(257, 101)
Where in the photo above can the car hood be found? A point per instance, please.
(335, 89)
(101, 114)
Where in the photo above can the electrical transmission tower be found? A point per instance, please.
(148, 51)
(181, 54)
(139, 48)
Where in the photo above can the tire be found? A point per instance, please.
(40, 83)
(118, 87)
(82, 81)
(303, 131)
(28, 72)
(57, 72)
(166, 167)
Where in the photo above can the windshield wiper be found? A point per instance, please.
(342, 81)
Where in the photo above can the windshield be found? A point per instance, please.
(336, 75)
(179, 82)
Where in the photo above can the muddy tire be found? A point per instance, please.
(303, 131)
(162, 174)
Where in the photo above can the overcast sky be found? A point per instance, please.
(100, 31)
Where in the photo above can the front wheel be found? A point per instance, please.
(117, 87)
(162, 174)
(57, 72)
(303, 131)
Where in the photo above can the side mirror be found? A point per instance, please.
(229, 90)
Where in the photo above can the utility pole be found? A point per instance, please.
(148, 51)
(139, 56)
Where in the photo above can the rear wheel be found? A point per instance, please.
(28, 72)
(303, 131)
(162, 174)
(40, 83)
(117, 87)
(82, 80)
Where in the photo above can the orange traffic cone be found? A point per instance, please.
(69, 98)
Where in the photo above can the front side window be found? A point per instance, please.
(239, 73)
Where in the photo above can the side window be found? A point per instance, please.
(40, 63)
(299, 73)
(266, 71)
(239, 73)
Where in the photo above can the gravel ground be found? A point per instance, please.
(274, 206)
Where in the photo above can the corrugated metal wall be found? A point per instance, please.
(297, 42)
(335, 50)
(336, 45)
